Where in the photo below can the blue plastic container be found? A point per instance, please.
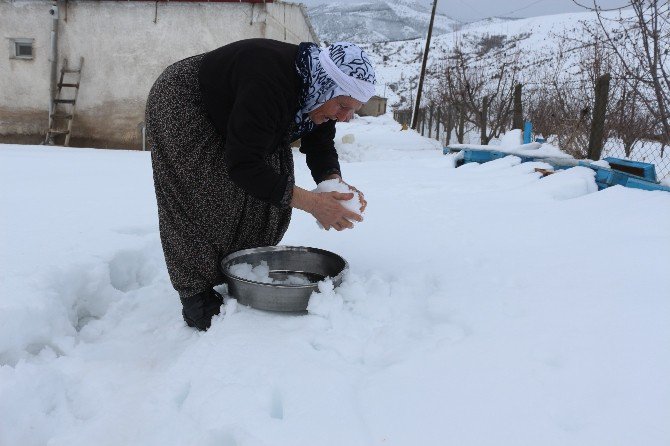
(609, 177)
(634, 174)
(636, 168)
(482, 156)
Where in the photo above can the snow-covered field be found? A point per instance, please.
(484, 306)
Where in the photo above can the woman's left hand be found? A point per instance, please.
(364, 203)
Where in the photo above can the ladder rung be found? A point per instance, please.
(58, 132)
(64, 101)
(69, 85)
(70, 71)
(61, 115)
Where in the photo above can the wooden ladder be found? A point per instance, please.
(62, 109)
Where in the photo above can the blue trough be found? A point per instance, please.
(621, 172)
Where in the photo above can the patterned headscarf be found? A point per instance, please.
(318, 86)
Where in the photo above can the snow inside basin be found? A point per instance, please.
(279, 278)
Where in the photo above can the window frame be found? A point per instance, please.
(15, 43)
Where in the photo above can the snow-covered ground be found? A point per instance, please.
(484, 305)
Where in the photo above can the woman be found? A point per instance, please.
(220, 126)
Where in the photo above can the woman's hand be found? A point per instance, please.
(326, 208)
(364, 203)
(331, 214)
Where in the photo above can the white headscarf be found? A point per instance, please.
(353, 71)
(342, 69)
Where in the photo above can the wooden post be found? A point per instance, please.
(517, 119)
(423, 64)
(423, 121)
(449, 123)
(484, 118)
(420, 123)
(598, 122)
(527, 132)
(430, 121)
(460, 135)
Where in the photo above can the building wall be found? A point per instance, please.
(24, 84)
(125, 45)
(376, 106)
(288, 22)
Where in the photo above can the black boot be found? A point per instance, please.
(199, 309)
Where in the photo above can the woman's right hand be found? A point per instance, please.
(326, 208)
(331, 214)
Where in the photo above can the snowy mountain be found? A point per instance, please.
(537, 41)
(376, 21)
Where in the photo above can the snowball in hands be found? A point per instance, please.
(337, 185)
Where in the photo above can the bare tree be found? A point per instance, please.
(639, 38)
(629, 120)
(465, 84)
(561, 95)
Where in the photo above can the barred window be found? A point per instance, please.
(21, 48)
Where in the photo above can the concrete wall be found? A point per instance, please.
(124, 52)
(288, 22)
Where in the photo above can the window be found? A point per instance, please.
(21, 48)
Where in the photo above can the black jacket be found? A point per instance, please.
(250, 89)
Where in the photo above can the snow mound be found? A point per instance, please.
(381, 139)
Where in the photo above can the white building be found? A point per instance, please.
(376, 106)
(125, 46)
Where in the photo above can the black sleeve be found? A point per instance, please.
(319, 147)
(255, 121)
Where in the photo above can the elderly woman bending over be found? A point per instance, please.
(219, 126)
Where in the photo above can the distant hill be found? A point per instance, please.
(537, 40)
(376, 21)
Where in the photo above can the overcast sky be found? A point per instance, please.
(469, 10)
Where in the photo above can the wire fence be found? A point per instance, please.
(645, 151)
(432, 122)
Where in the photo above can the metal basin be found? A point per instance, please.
(310, 263)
